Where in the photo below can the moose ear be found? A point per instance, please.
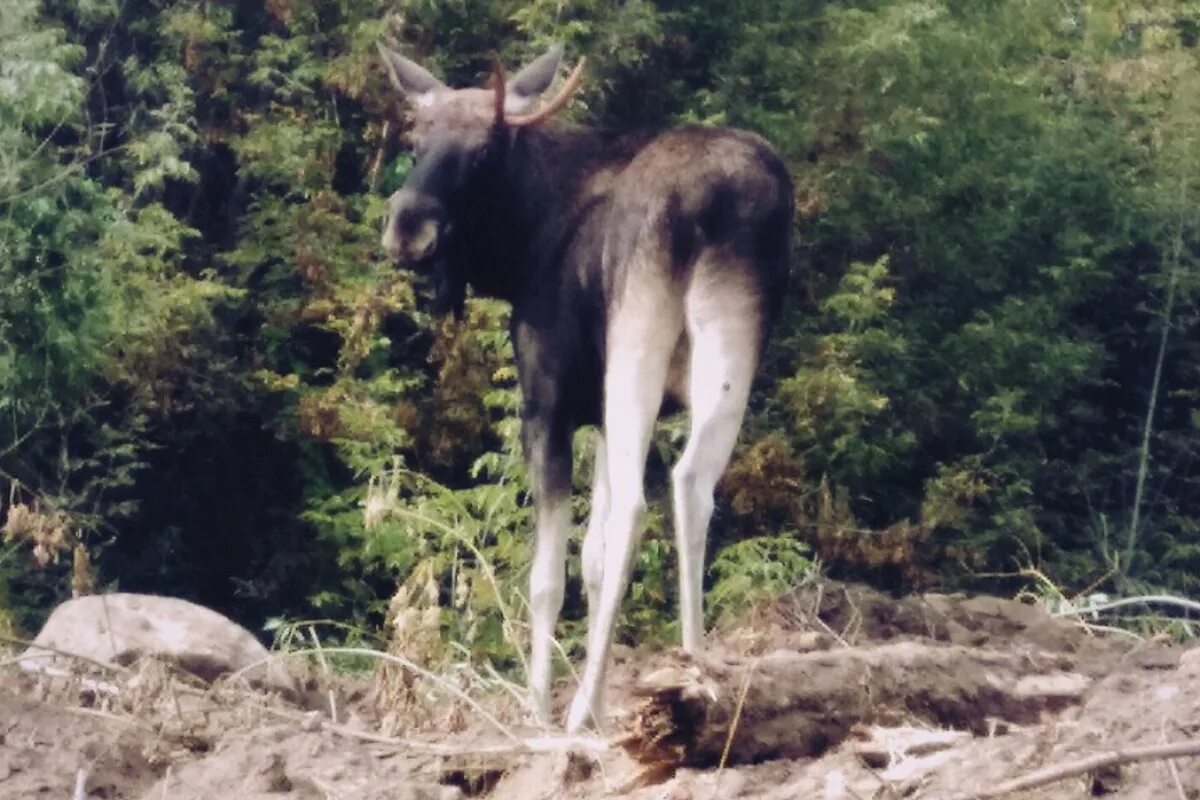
(410, 77)
(527, 85)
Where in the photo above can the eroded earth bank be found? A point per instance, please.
(832, 693)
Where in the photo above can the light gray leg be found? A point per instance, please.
(593, 540)
(549, 458)
(641, 339)
(721, 374)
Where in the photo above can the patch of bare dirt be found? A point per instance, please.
(832, 693)
(186, 744)
(43, 747)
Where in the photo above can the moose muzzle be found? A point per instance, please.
(415, 227)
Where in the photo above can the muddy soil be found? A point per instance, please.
(1027, 692)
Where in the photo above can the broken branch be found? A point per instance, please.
(1112, 758)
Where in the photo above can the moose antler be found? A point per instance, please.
(499, 85)
(569, 87)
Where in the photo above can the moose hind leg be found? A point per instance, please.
(723, 324)
(642, 335)
(549, 457)
(593, 540)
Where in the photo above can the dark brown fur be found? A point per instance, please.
(667, 252)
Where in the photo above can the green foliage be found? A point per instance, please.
(754, 570)
(212, 381)
(95, 312)
(838, 408)
(971, 363)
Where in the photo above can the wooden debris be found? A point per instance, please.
(1091, 764)
(797, 705)
(884, 747)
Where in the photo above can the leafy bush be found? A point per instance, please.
(212, 378)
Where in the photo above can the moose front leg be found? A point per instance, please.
(548, 454)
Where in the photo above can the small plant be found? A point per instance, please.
(48, 532)
(754, 570)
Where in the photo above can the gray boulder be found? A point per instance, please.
(121, 628)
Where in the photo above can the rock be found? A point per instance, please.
(1064, 685)
(1020, 615)
(1189, 662)
(959, 634)
(123, 627)
(269, 776)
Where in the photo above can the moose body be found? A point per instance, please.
(642, 270)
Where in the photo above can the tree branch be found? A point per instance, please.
(1059, 772)
(1155, 385)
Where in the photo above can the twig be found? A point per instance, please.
(518, 746)
(378, 160)
(108, 624)
(737, 718)
(357, 630)
(511, 689)
(1150, 599)
(329, 791)
(1096, 584)
(1175, 261)
(170, 685)
(1053, 774)
(81, 776)
(312, 634)
(574, 672)
(166, 782)
(1174, 770)
(34, 427)
(105, 715)
(402, 661)
(532, 745)
(63, 174)
(1171, 768)
(1091, 627)
(53, 651)
(837, 636)
(856, 618)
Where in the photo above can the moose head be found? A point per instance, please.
(460, 139)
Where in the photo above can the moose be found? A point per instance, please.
(644, 273)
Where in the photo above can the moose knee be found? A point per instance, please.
(545, 591)
(693, 488)
(593, 557)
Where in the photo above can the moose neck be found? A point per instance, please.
(526, 213)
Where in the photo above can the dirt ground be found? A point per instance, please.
(832, 693)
